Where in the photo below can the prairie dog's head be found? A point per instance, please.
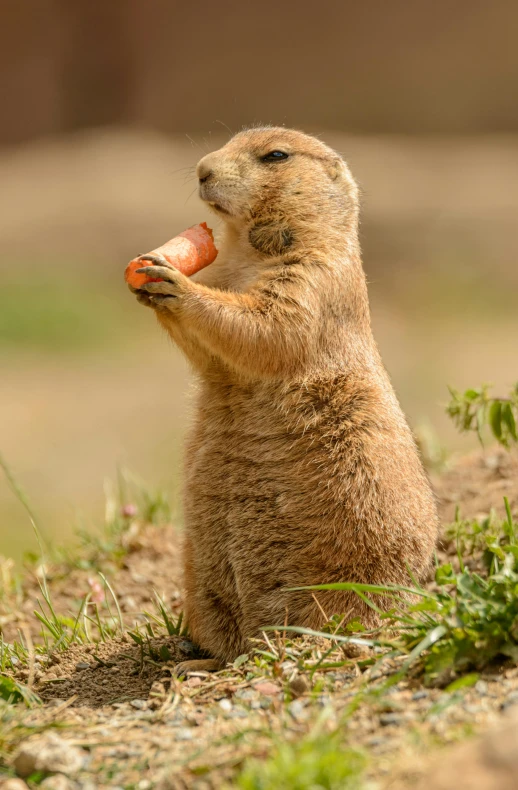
(278, 184)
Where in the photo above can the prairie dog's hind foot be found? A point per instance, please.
(198, 665)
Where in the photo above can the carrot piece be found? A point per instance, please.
(190, 251)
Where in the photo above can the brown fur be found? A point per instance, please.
(300, 468)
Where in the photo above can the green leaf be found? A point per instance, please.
(430, 639)
(351, 640)
(444, 574)
(14, 692)
(464, 682)
(240, 660)
(495, 419)
(508, 419)
(377, 589)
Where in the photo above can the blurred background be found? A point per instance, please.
(106, 107)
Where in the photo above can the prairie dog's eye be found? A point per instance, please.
(274, 156)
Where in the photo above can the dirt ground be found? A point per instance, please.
(138, 723)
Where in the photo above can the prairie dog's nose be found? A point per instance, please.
(204, 169)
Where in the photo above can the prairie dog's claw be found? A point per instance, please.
(154, 258)
(167, 273)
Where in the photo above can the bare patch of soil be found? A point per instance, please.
(111, 672)
(477, 483)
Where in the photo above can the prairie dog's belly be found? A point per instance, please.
(239, 447)
(244, 475)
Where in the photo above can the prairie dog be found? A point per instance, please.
(300, 468)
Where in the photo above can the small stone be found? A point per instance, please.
(225, 704)
(14, 784)
(55, 703)
(193, 682)
(144, 784)
(239, 713)
(297, 709)
(82, 665)
(419, 695)
(48, 753)
(186, 646)
(184, 734)
(58, 782)
(354, 651)
(267, 688)
(376, 740)
(139, 704)
(298, 686)
(481, 687)
(511, 699)
(387, 719)
(246, 694)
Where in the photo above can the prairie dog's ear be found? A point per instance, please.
(336, 168)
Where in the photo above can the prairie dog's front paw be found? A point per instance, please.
(172, 286)
(166, 294)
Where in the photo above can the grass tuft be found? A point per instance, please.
(313, 762)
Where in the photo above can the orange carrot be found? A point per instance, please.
(190, 251)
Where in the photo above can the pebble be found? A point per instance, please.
(245, 694)
(58, 782)
(297, 709)
(266, 687)
(420, 695)
(48, 753)
(225, 704)
(139, 704)
(82, 665)
(511, 699)
(239, 713)
(193, 682)
(376, 740)
(298, 686)
(184, 734)
(186, 647)
(387, 719)
(481, 687)
(14, 784)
